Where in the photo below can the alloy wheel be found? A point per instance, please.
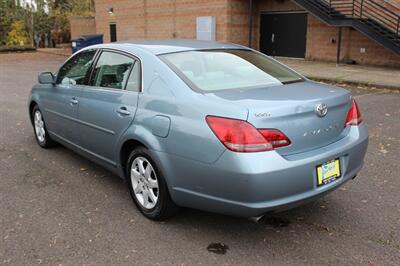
(144, 183)
(39, 126)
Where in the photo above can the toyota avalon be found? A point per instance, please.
(206, 125)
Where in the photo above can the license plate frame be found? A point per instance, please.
(328, 172)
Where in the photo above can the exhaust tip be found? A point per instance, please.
(256, 219)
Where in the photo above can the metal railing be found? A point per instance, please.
(367, 10)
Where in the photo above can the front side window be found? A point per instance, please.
(112, 70)
(213, 70)
(75, 71)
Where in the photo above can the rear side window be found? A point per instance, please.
(134, 79)
(112, 70)
(75, 71)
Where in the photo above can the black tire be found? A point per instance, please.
(164, 207)
(47, 141)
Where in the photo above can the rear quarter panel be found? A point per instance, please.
(165, 94)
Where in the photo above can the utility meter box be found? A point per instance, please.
(206, 28)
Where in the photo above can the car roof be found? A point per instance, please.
(158, 47)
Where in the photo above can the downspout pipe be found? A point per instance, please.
(250, 22)
(339, 46)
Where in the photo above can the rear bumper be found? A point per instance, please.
(251, 184)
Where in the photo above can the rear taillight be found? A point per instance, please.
(275, 137)
(353, 116)
(241, 136)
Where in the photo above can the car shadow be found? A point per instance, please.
(321, 215)
(90, 168)
(276, 220)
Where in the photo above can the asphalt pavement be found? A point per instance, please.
(57, 208)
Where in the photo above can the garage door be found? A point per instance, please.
(284, 34)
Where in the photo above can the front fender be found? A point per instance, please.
(33, 97)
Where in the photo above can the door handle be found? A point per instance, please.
(74, 101)
(273, 38)
(123, 111)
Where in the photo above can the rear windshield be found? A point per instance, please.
(213, 70)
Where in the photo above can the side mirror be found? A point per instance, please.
(47, 78)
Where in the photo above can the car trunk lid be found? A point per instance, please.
(292, 109)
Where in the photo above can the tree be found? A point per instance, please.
(17, 34)
(41, 17)
(10, 11)
(42, 22)
(61, 11)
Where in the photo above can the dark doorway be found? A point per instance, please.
(284, 34)
(113, 32)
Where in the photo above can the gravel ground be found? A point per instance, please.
(58, 208)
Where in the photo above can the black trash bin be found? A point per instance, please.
(85, 40)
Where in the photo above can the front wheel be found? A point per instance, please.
(39, 126)
(147, 186)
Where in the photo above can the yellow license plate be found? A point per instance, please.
(328, 172)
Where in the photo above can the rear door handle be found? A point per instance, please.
(123, 111)
(74, 101)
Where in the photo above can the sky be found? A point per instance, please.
(34, 4)
(27, 2)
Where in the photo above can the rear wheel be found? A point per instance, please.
(147, 186)
(39, 126)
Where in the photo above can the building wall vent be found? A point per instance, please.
(206, 28)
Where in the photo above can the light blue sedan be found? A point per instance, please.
(206, 125)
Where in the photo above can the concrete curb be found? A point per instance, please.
(356, 82)
(60, 53)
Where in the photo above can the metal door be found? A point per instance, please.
(284, 34)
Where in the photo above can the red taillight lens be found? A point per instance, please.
(275, 137)
(241, 136)
(353, 116)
